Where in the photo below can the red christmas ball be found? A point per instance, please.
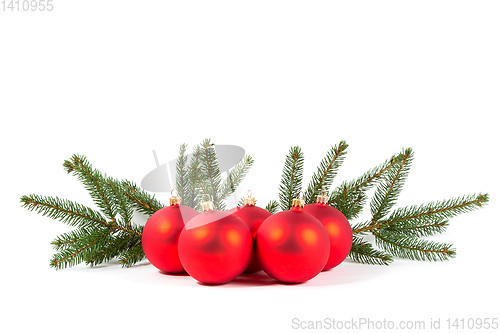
(338, 229)
(161, 234)
(292, 246)
(215, 247)
(253, 216)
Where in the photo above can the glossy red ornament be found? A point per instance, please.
(338, 228)
(253, 216)
(161, 234)
(215, 247)
(292, 246)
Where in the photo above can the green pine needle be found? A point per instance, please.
(132, 255)
(350, 197)
(235, 177)
(210, 167)
(291, 179)
(94, 182)
(66, 211)
(445, 209)
(119, 201)
(326, 172)
(419, 228)
(364, 253)
(273, 207)
(182, 176)
(413, 248)
(198, 179)
(390, 186)
(140, 199)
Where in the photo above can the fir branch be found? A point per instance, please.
(350, 197)
(272, 207)
(132, 255)
(350, 203)
(100, 236)
(140, 199)
(119, 201)
(417, 217)
(364, 227)
(210, 167)
(419, 228)
(66, 211)
(391, 185)
(326, 172)
(93, 180)
(182, 176)
(235, 177)
(441, 209)
(66, 240)
(197, 178)
(111, 249)
(412, 248)
(363, 252)
(76, 252)
(291, 179)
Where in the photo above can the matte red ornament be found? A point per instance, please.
(253, 216)
(161, 234)
(215, 247)
(338, 228)
(292, 246)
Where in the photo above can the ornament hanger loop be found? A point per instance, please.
(207, 204)
(322, 197)
(175, 199)
(323, 190)
(249, 200)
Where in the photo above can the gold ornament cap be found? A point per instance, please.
(175, 199)
(322, 198)
(296, 202)
(249, 200)
(207, 205)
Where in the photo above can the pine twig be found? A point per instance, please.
(182, 176)
(66, 211)
(291, 179)
(197, 178)
(440, 209)
(363, 252)
(419, 229)
(100, 236)
(132, 255)
(412, 248)
(350, 197)
(273, 207)
(389, 188)
(94, 183)
(428, 214)
(326, 172)
(140, 199)
(210, 167)
(118, 199)
(80, 250)
(235, 177)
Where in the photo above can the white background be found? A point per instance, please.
(114, 80)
